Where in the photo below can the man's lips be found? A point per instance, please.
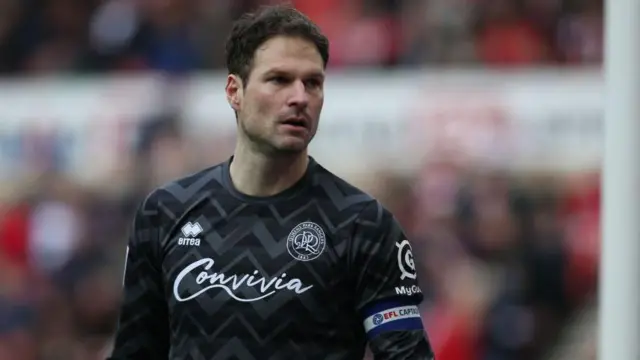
(296, 121)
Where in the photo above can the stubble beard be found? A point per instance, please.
(264, 145)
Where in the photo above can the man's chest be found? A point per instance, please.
(256, 262)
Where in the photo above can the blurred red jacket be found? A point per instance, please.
(452, 336)
(14, 234)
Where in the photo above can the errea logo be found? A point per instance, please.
(190, 231)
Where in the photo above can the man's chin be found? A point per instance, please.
(291, 143)
(291, 147)
(281, 145)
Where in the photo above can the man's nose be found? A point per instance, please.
(299, 95)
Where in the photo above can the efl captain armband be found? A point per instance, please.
(391, 316)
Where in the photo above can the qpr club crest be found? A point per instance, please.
(306, 241)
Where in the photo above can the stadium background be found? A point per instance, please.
(478, 122)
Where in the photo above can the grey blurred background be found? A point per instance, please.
(477, 122)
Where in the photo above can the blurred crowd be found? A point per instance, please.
(507, 260)
(45, 36)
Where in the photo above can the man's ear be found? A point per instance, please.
(235, 91)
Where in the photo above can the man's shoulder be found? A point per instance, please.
(184, 192)
(348, 197)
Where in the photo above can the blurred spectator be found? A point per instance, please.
(581, 33)
(14, 234)
(44, 36)
(507, 37)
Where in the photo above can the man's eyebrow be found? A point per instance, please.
(317, 74)
(313, 74)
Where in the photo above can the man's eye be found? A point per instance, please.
(278, 80)
(314, 83)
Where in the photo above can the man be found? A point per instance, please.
(269, 255)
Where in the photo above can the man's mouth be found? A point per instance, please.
(297, 122)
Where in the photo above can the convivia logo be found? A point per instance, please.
(233, 284)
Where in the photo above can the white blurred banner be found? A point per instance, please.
(550, 120)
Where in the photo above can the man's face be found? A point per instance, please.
(279, 106)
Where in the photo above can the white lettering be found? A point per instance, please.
(408, 290)
(189, 241)
(231, 283)
(407, 312)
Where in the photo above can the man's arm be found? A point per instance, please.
(143, 327)
(407, 344)
(387, 289)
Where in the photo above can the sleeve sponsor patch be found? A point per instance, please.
(392, 317)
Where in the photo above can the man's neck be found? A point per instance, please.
(257, 174)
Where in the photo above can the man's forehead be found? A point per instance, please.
(282, 52)
(292, 68)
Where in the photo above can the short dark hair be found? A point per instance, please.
(253, 29)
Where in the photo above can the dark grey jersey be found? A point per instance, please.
(315, 272)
